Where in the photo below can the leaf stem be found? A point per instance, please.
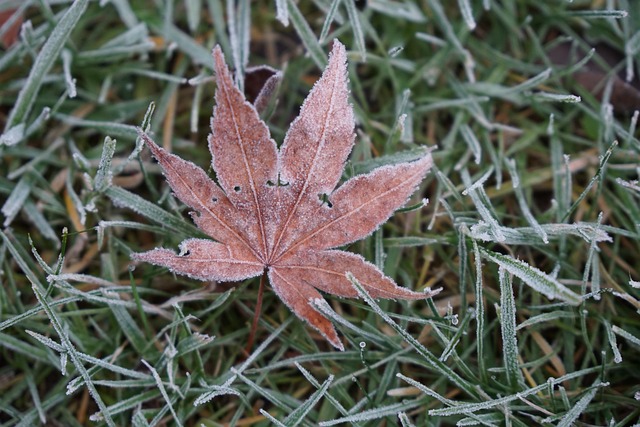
(256, 316)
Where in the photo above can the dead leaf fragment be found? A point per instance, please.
(279, 210)
(594, 74)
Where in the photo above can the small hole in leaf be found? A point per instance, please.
(236, 188)
(325, 200)
(282, 183)
(214, 199)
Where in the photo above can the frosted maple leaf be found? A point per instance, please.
(278, 211)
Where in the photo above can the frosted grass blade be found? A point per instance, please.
(479, 198)
(305, 32)
(69, 81)
(508, 330)
(40, 222)
(271, 418)
(346, 355)
(533, 277)
(219, 25)
(282, 12)
(358, 35)
(410, 241)
(127, 15)
(16, 200)
(617, 357)
(133, 36)
(404, 420)
(194, 342)
(436, 41)
(198, 53)
(626, 335)
(124, 198)
(163, 391)
(244, 36)
(467, 13)
(316, 384)
(598, 14)
(13, 135)
(104, 175)
(110, 128)
(124, 405)
(20, 256)
(530, 236)
(129, 327)
(65, 342)
(454, 340)
(546, 317)
(194, 12)
(475, 185)
(155, 75)
(556, 97)
(282, 401)
(444, 23)
(472, 142)
(89, 57)
(374, 414)
(323, 306)
(46, 341)
(432, 360)
(524, 206)
(480, 317)
(407, 11)
(138, 419)
(530, 83)
(43, 63)
(225, 388)
(106, 364)
(328, 20)
(29, 351)
(592, 265)
(35, 397)
(472, 408)
(299, 414)
(596, 177)
(572, 415)
(426, 390)
(34, 311)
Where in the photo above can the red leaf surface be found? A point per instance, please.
(280, 210)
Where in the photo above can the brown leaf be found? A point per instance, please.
(279, 210)
(260, 83)
(595, 73)
(11, 34)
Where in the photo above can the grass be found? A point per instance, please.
(533, 225)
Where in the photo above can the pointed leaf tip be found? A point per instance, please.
(338, 51)
(222, 73)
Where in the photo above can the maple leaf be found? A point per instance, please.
(278, 210)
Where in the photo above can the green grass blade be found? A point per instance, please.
(508, 330)
(533, 277)
(432, 360)
(47, 56)
(299, 414)
(124, 198)
(65, 341)
(305, 33)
